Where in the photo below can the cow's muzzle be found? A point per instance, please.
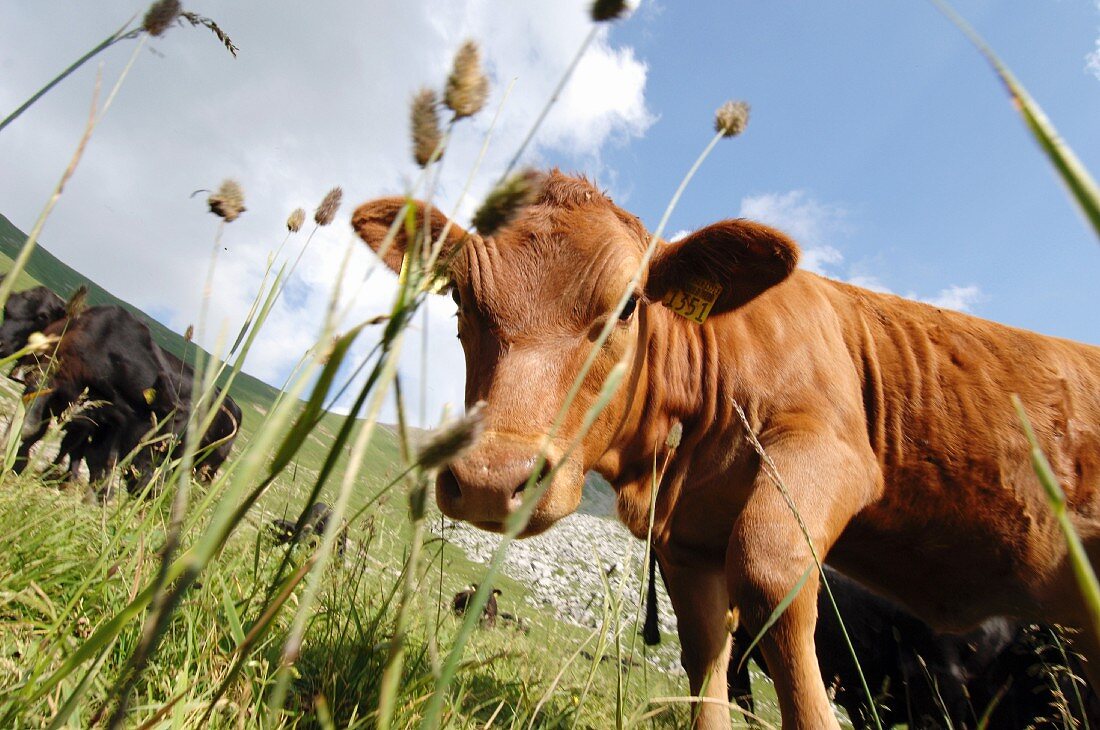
(490, 484)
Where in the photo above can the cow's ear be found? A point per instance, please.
(742, 257)
(373, 221)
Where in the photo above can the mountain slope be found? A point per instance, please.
(52, 272)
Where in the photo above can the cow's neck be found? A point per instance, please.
(680, 381)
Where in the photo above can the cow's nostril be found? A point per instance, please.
(544, 472)
(447, 484)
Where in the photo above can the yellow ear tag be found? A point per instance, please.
(150, 395)
(695, 300)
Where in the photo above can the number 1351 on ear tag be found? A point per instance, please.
(695, 300)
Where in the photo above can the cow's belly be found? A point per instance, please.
(959, 554)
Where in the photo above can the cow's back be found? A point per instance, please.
(960, 504)
(108, 350)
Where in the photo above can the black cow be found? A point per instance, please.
(920, 677)
(109, 354)
(88, 435)
(314, 522)
(34, 310)
(488, 613)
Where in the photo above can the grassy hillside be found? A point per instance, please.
(46, 269)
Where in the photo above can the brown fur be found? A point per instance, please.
(888, 420)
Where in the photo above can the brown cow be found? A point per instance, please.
(888, 420)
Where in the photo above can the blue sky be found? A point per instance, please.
(879, 138)
(885, 116)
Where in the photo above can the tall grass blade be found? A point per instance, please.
(1070, 169)
(1079, 559)
(118, 35)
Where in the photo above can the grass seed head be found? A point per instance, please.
(189, 333)
(326, 211)
(453, 440)
(329, 349)
(426, 133)
(38, 342)
(605, 10)
(731, 118)
(295, 220)
(507, 200)
(160, 15)
(77, 303)
(228, 201)
(467, 86)
(196, 20)
(674, 435)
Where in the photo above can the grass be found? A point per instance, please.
(340, 663)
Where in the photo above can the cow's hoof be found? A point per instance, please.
(101, 498)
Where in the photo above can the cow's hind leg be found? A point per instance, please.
(769, 558)
(102, 454)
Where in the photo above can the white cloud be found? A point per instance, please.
(1092, 60)
(806, 220)
(868, 281)
(317, 97)
(815, 225)
(960, 298)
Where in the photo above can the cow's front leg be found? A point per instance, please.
(769, 555)
(36, 421)
(699, 598)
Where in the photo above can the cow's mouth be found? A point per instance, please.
(488, 487)
(551, 508)
(540, 522)
(537, 525)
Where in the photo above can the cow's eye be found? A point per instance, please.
(628, 310)
(455, 295)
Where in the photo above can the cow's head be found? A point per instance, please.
(26, 312)
(532, 300)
